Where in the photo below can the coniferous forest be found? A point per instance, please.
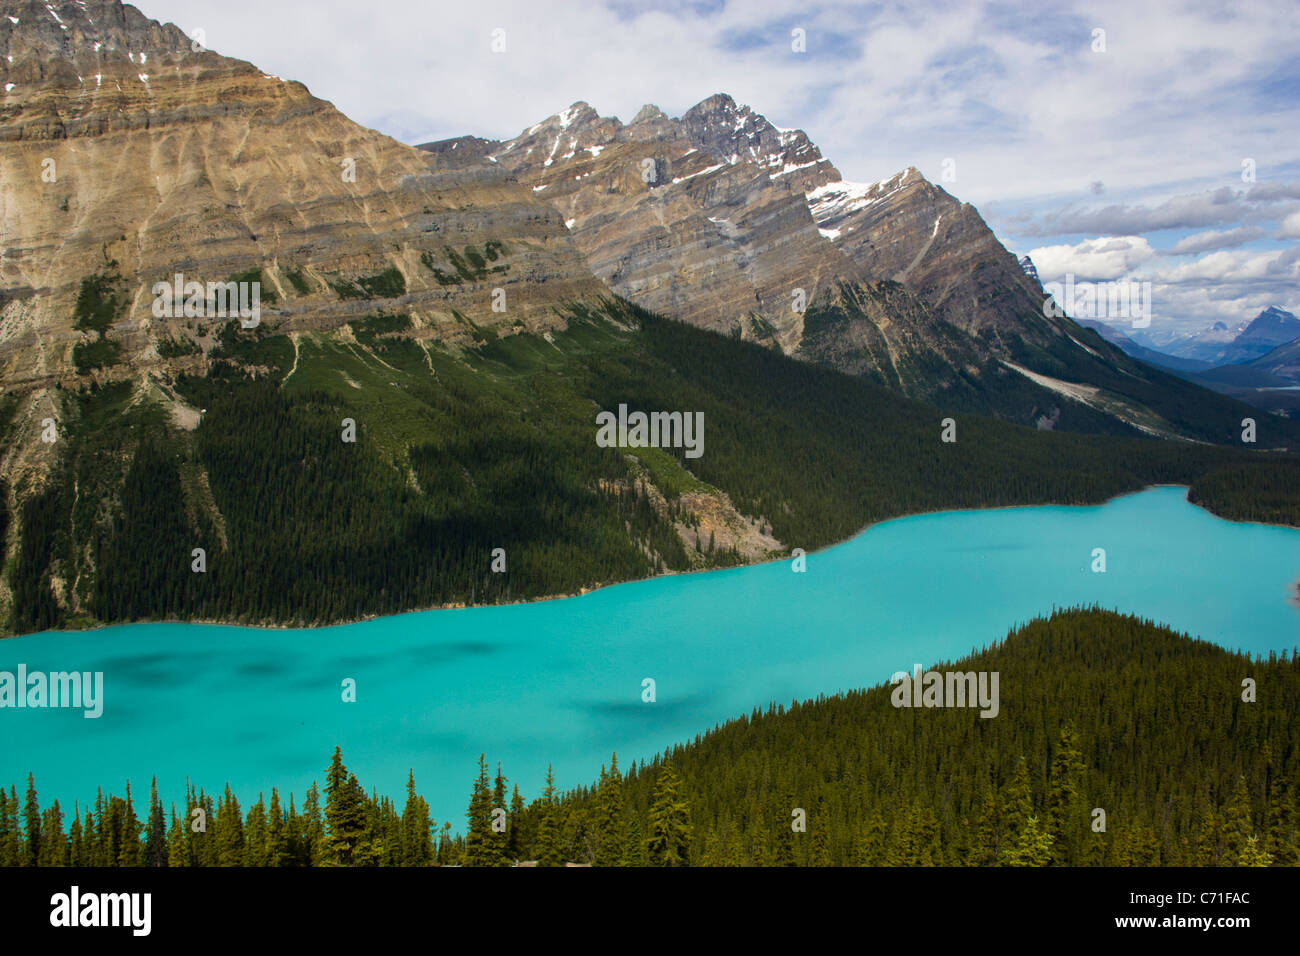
(458, 455)
(1118, 743)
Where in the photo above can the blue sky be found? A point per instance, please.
(1114, 161)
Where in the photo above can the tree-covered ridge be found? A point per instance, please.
(459, 453)
(1099, 711)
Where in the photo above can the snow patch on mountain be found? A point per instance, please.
(702, 172)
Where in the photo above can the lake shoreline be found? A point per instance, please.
(461, 606)
(562, 683)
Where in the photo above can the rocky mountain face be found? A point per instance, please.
(728, 222)
(678, 229)
(908, 229)
(721, 219)
(722, 128)
(1269, 329)
(129, 153)
(668, 209)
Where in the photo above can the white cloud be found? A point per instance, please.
(1230, 286)
(1109, 257)
(1236, 266)
(1015, 95)
(1290, 227)
(1212, 240)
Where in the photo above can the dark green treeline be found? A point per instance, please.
(1098, 712)
(457, 455)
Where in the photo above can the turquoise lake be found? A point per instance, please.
(561, 681)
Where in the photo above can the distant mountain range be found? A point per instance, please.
(1257, 363)
(1131, 346)
(1221, 345)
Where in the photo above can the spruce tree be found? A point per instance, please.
(516, 835)
(12, 848)
(1252, 854)
(203, 850)
(1281, 825)
(229, 831)
(54, 843)
(76, 847)
(131, 851)
(312, 828)
(549, 837)
(349, 840)
(1208, 838)
(178, 851)
(668, 843)
(500, 840)
(255, 827)
(611, 827)
(987, 847)
(1237, 825)
(32, 822)
(634, 846)
(90, 841)
(277, 833)
(821, 837)
(1032, 846)
(480, 841)
(1017, 810)
(783, 822)
(156, 835)
(417, 839)
(1065, 816)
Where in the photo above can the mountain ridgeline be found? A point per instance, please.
(725, 221)
(1258, 364)
(410, 422)
(1117, 743)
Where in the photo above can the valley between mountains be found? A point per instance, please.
(470, 306)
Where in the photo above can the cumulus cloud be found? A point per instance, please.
(1290, 227)
(1271, 192)
(1231, 286)
(1181, 308)
(1225, 285)
(1109, 257)
(1222, 206)
(1015, 94)
(1280, 268)
(1212, 240)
